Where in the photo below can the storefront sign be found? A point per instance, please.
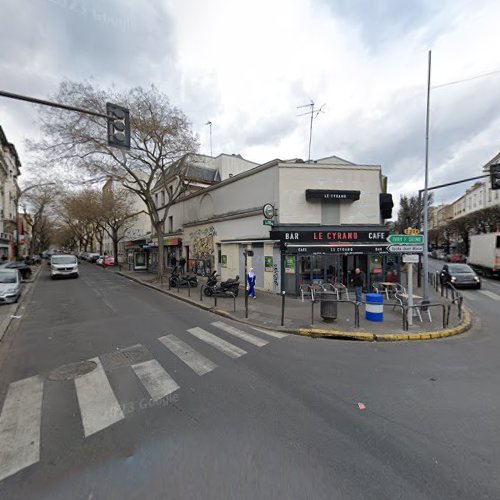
(268, 264)
(332, 236)
(342, 249)
(289, 264)
(331, 194)
(171, 242)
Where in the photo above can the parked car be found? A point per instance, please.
(20, 265)
(100, 259)
(456, 257)
(92, 257)
(108, 261)
(10, 285)
(460, 275)
(63, 266)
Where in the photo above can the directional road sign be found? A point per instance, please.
(410, 258)
(406, 248)
(406, 239)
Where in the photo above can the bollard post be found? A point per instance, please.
(246, 303)
(189, 288)
(215, 298)
(312, 312)
(169, 283)
(447, 322)
(460, 300)
(201, 293)
(234, 302)
(282, 307)
(356, 315)
(178, 286)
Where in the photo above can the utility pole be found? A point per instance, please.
(209, 123)
(426, 185)
(314, 114)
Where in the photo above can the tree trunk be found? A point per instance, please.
(115, 245)
(161, 251)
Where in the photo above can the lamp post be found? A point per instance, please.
(426, 185)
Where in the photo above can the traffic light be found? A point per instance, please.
(495, 176)
(118, 126)
(386, 205)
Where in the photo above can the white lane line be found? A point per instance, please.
(20, 423)
(271, 333)
(197, 362)
(227, 348)
(489, 294)
(99, 407)
(155, 379)
(252, 339)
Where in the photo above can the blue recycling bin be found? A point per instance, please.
(374, 310)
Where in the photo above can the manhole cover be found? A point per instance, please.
(72, 370)
(125, 357)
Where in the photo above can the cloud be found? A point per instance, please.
(247, 66)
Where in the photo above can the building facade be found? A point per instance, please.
(326, 219)
(10, 169)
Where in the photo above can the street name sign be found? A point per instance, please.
(406, 248)
(406, 239)
(410, 258)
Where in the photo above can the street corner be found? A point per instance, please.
(336, 334)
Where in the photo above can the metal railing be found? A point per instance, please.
(445, 309)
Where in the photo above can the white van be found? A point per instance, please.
(63, 266)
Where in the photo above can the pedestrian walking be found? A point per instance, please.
(358, 284)
(182, 264)
(251, 283)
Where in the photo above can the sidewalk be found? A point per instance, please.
(304, 317)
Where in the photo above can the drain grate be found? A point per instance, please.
(125, 357)
(72, 370)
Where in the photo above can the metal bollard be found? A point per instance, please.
(460, 302)
(447, 322)
(283, 307)
(312, 312)
(169, 284)
(178, 286)
(201, 293)
(356, 315)
(215, 298)
(189, 289)
(234, 302)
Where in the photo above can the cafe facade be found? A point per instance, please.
(296, 223)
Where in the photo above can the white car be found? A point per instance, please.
(63, 266)
(10, 285)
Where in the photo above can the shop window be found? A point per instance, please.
(330, 213)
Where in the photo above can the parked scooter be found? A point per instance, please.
(177, 280)
(228, 288)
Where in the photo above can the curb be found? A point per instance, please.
(464, 326)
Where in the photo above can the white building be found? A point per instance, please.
(10, 169)
(328, 220)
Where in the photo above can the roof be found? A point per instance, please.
(198, 173)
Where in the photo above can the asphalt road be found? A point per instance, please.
(256, 416)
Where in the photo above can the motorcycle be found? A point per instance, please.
(176, 280)
(228, 288)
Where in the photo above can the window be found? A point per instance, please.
(170, 223)
(330, 213)
(163, 198)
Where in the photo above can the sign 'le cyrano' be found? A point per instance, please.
(335, 236)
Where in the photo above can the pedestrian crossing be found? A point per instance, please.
(21, 415)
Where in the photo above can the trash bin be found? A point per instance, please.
(328, 309)
(374, 310)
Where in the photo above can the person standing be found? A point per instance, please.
(358, 284)
(251, 283)
(182, 264)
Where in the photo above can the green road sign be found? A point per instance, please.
(406, 239)
(268, 222)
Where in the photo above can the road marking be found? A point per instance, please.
(99, 407)
(155, 379)
(20, 423)
(227, 348)
(271, 333)
(252, 339)
(197, 362)
(489, 294)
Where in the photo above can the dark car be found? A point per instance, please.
(460, 275)
(21, 265)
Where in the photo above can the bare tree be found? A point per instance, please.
(161, 136)
(117, 215)
(410, 213)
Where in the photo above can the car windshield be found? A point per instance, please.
(460, 268)
(8, 276)
(64, 259)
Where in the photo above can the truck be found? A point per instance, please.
(484, 254)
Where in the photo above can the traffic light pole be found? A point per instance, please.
(43, 102)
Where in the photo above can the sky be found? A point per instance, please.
(248, 66)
